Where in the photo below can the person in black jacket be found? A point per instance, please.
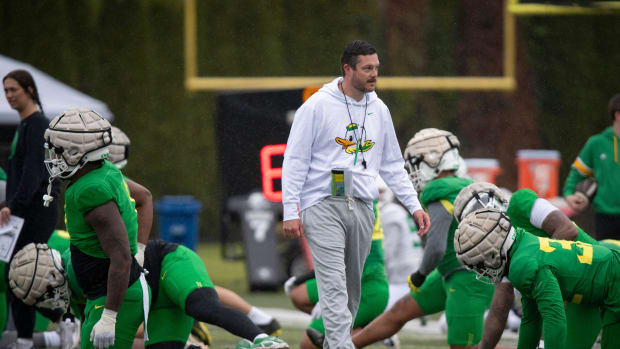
(27, 180)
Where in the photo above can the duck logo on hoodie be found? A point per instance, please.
(348, 141)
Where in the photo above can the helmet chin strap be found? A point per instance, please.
(48, 198)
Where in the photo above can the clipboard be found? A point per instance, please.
(9, 233)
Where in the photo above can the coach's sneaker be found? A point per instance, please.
(244, 344)
(201, 332)
(315, 337)
(269, 342)
(273, 328)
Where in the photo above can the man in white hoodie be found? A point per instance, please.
(342, 138)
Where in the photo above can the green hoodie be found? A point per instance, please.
(600, 158)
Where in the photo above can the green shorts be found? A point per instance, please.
(162, 329)
(182, 271)
(464, 300)
(374, 298)
(128, 319)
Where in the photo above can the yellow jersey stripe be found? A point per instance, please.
(582, 168)
(448, 206)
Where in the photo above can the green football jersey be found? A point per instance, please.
(520, 211)
(91, 191)
(445, 190)
(548, 272)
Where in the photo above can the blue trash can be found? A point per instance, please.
(177, 217)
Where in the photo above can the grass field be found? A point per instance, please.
(232, 275)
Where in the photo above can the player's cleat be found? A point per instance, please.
(273, 328)
(269, 342)
(201, 332)
(192, 346)
(316, 337)
(244, 344)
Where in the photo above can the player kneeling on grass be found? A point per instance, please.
(546, 272)
(440, 283)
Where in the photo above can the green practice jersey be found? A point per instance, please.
(91, 191)
(520, 211)
(548, 272)
(599, 158)
(445, 190)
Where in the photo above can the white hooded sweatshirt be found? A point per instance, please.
(323, 137)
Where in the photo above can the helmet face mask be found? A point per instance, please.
(479, 195)
(482, 243)
(58, 294)
(424, 168)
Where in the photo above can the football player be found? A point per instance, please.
(119, 156)
(180, 284)
(547, 272)
(538, 217)
(102, 221)
(440, 283)
(304, 294)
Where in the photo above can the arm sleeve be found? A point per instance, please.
(540, 210)
(392, 169)
(33, 170)
(296, 161)
(530, 329)
(437, 237)
(582, 167)
(546, 292)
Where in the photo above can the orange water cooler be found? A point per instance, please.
(483, 170)
(539, 171)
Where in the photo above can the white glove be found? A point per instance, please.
(289, 285)
(103, 332)
(140, 254)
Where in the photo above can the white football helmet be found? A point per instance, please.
(428, 153)
(74, 138)
(482, 243)
(479, 195)
(119, 148)
(37, 277)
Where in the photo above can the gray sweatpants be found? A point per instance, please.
(339, 241)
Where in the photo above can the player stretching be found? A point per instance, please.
(546, 271)
(440, 283)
